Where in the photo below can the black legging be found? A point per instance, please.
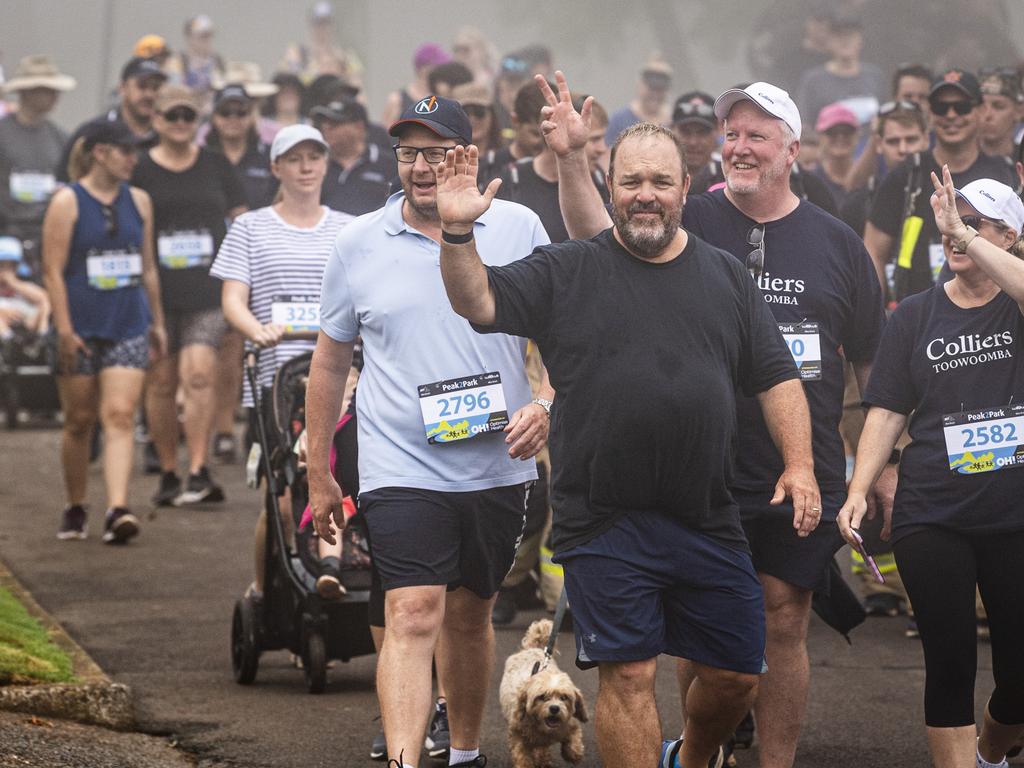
(940, 569)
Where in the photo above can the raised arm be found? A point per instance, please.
(459, 204)
(566, 131)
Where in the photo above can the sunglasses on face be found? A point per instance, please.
(180, 115)
(977, 221)
(941, 108)
(475, 111)
(239, 112)
(755, 259)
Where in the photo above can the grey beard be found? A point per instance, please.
(645, 244)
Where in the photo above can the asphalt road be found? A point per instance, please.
(156, 615)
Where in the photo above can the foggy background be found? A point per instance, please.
(601, 44)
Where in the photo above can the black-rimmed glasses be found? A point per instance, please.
(433, 155)
(755, 259)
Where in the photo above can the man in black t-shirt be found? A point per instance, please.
(817, 279)
(643, 430)
(900, 234)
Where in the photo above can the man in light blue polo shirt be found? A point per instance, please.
(447, 435)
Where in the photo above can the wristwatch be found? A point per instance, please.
(960, 246)
(895, 456)
(545, 404)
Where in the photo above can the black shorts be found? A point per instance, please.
(777, 550)
(420, 537)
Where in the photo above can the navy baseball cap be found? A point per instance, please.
(445, 117)
(109, 132)
(960, 80)
(342, 111)
(139, 67)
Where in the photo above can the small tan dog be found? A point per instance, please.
(541, 709)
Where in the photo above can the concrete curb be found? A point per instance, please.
(95, 699)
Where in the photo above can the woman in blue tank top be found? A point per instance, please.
(101, 276)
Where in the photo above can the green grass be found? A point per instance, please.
(27, 655)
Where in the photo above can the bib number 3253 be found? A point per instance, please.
(986, 440)
(459, 409)
(296, 313)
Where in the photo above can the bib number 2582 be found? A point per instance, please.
(986, 440)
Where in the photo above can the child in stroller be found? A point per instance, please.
(22, 304)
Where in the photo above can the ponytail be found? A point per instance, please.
(1017, 248)
(79, 160)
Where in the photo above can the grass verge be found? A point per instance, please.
(27, 655)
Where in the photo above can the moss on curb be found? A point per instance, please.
(27, 654)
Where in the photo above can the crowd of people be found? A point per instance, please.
(691, 298)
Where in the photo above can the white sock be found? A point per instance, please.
(983, 763)
(462, 755)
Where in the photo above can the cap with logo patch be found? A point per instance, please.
(961, 80)
(695, 107)
(770, 98)
(445, 117)
(138, 68)
(994, 201)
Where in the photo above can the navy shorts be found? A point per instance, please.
(468, 539)
(651, 585)
(777, 550)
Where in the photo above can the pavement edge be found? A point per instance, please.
(95, 699)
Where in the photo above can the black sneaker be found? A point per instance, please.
(379, 748)
(883, 604)
(150, 460)
(120, 526)
(72, 523)
(439, 740)
(169, 490)
(480, 761)
(225, 448)
(198, 489)
(504, 611)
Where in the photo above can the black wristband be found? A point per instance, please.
(895, 456)
(454, 239)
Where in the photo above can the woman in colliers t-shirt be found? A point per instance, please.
(99, 269)
(195, 193)
(950, 361)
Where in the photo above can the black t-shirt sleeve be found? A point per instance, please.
(887, 210)
(765, 360)
(867, 317)
(818, 193)
(890, 385)
(523, 296)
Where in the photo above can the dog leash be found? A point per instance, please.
(556, 626)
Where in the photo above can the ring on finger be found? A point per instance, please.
(815, 509)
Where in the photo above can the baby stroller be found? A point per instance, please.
(27, 363)
(291, 615)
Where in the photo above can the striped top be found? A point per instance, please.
(281, 264)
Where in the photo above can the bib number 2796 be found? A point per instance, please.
(459, 409)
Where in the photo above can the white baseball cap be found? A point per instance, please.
(772, 99)
(291, 135)
(995, 201)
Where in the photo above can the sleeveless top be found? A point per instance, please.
(104, 269)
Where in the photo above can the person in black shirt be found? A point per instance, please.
(233, 134)
(195, 192)
(818, 281)
(359, 173)
(645, 525)
(694, 122)
(949, 363)
(900, 234)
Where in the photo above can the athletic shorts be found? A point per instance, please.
(778, 551)
(200, 326)
(650, 585)
(469, 539)
(132, 352)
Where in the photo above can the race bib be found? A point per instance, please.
(111, 269)
(32, 187)
(986, 440)
(805, 346)
(296, 313)
(459, 409)
(936, 258)
(185, 250)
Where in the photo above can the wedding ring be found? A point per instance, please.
(815, 509)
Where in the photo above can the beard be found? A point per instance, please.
(765, 179)
(425, 211)
(646, 241)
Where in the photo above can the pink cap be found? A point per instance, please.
(833, 115)
(430, 55)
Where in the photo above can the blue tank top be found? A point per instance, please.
(104, 270)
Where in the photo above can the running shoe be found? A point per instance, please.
(198, 489)
(911, 631)
(480, 761)
(225, 448)
(670, 750)
(439, 740)
(379, 748)
(328, 584)
(169, 490)
(120, 526)
(72, 523)
(743, 738)
(883, 604)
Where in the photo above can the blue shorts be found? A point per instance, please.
(650, 585)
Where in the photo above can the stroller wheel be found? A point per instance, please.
(245, 656)
(314, 662)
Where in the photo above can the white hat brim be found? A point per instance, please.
(53, 82)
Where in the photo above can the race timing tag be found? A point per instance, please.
(805, 345)
(986, 440)
(459, 409)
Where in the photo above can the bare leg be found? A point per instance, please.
(229, 382)
(686, 673)
(628, 728)
(783, 691)
(260, 550)
(952, 747)
(997, 739)
(78, 397)
(120, 391)
(162, 410)
(198, 363)
(413, 616)
(716, 702)
(465, 660)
